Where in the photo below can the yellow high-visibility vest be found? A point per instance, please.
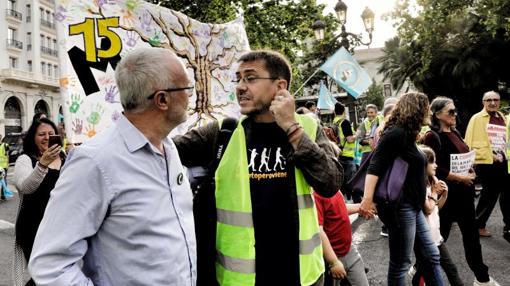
(368, 128)
(235, 238)
(4, 157)
(348, 149)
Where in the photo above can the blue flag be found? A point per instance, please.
(347, 73)
(326, 100)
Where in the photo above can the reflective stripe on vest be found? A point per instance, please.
(4, 157)
(235, 239)
(368, 130)
(348, 149)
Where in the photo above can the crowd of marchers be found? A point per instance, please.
(272, 203)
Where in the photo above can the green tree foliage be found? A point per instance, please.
(315, 53)
(456, 48)
(374, 95)
(398, 64)
(270, 24)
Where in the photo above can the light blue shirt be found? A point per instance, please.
(125, 209)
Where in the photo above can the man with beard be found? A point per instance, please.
(266, 224)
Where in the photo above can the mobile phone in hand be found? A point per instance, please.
(54, 139)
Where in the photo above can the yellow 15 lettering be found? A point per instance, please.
(87, 28)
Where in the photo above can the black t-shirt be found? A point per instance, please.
(273, 206)
(396, 142)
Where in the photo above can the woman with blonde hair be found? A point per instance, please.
(404, 218)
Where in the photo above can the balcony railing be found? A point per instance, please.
(47, 24)
(29, 77)
(49, 51)
(17, 74)
(14, 14)
(11, 43)
(50, 1)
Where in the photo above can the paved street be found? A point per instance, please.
(496, 251)
(371, 245)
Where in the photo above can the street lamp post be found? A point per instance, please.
(346, 38)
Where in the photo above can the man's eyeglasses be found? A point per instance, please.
(250, 79)
(491, 100)
(189, 91)
(452, 112)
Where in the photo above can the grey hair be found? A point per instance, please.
(388, 108)
(489, 93)
(140, 73)
(436, 106)
(373, 106)
(390, 100)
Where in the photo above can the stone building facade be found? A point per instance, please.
(28, 64)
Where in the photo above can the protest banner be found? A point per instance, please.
(95, 35)
(462, 163)
(497, 137)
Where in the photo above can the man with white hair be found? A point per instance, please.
(486, 134)
(123, 203)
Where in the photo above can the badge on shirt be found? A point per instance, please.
(180, 177)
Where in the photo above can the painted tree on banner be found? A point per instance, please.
(209, 51)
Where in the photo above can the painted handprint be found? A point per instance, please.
(155, 40)
(60, 15)
(76, 102)
(90, 131)
(145, 21)
(115, 116)
(110, 94)
(95, 114)
(132, 38)
(101, 3)
(131, 5)
(77, 126)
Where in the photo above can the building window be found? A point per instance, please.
(43, 43)
(29, 41)
(55, 67)
(43, 67)
(11, 33)
(29, 13)
(11, 4)
(41, 11)
(50, 67)
(13, 62)
(55, 45)
(48, 42)
(29, 66)
(48, 16)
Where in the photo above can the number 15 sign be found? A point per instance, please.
(94, 36)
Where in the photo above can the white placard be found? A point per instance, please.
(461, 163)
(497, 137)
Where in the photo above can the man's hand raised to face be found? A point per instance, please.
(283, 107)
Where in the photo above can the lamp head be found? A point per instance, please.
(318, 29)
(341, 12)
